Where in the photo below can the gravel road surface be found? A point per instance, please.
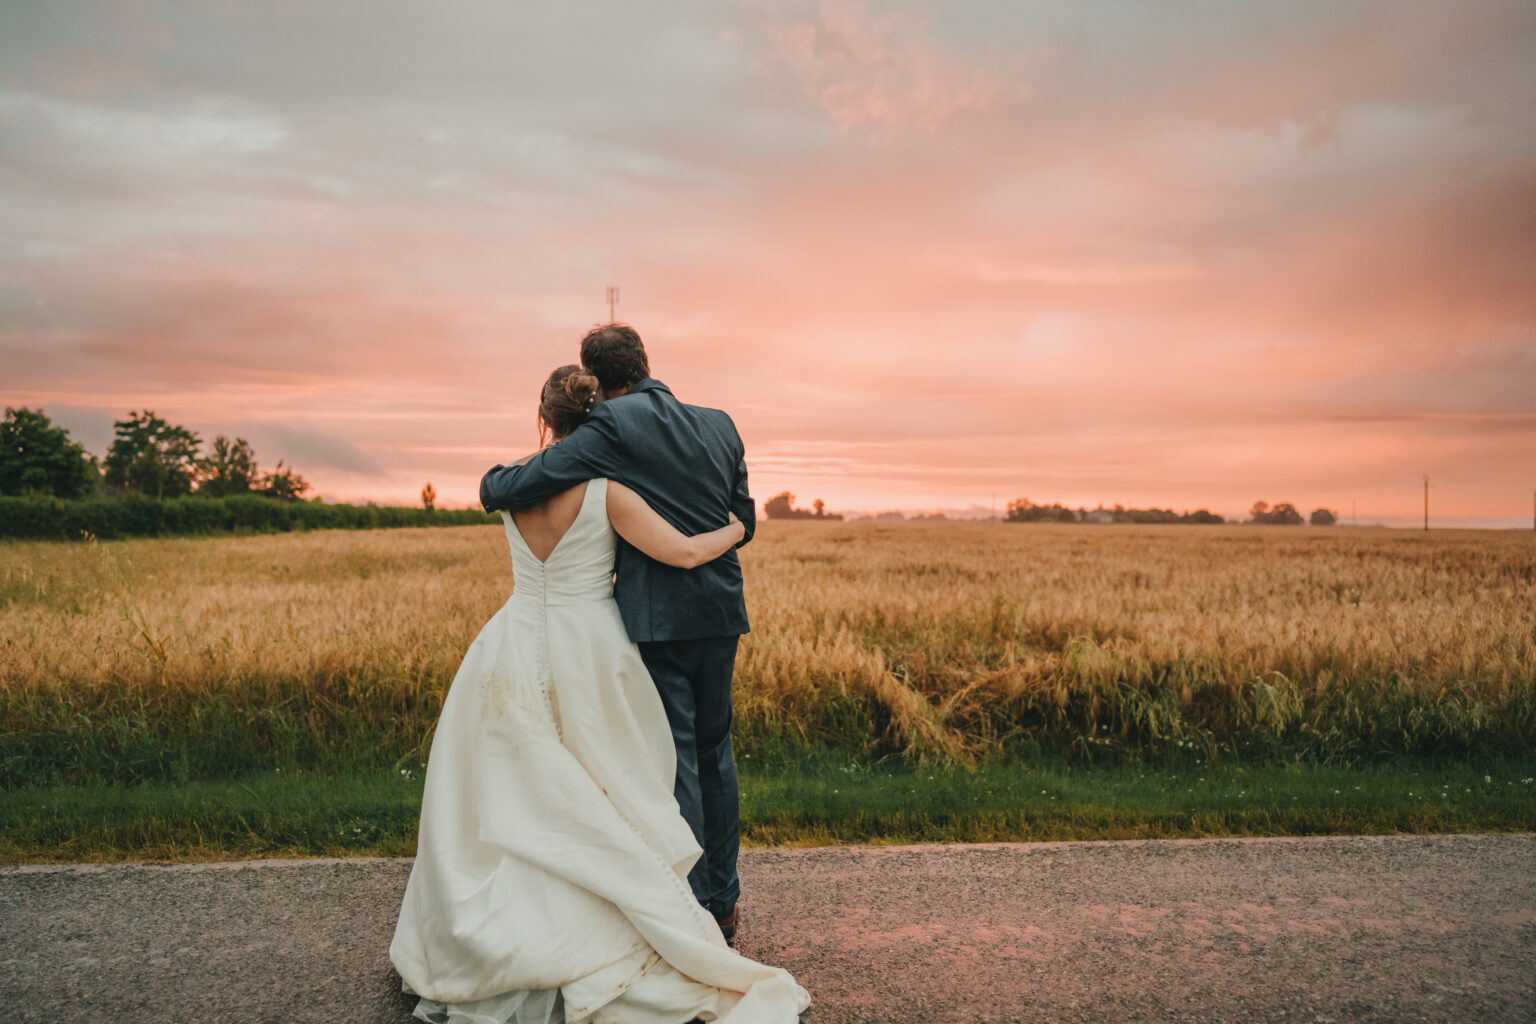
(1421, 928)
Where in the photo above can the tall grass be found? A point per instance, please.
(966, 641)
(181, 659)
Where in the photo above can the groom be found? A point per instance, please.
(687, 463)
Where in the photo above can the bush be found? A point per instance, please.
(42, 518)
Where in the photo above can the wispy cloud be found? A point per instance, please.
(881, 69)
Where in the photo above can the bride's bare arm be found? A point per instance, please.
(639, 524)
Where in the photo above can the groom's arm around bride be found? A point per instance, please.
(686, 461)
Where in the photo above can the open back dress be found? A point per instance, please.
(550, 881)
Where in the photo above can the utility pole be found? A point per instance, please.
(1426, 502)
(613, 301)
(1354, 511)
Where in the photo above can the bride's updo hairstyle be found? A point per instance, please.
(569, 394)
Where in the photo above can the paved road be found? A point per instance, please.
(1434, 928)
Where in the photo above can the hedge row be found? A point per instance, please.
(61, 519)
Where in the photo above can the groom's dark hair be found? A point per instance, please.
(615, 356)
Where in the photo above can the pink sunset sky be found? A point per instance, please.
(1177, 254)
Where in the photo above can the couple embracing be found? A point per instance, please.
(576, 860)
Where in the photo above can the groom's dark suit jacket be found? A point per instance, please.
(688, 463)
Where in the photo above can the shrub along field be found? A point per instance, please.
(959, 649)
(44, 518)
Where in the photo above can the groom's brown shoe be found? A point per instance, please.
(728, 926)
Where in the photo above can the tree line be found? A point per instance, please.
(1025, 511)
(782, 506)
(158, 479)
(148, 457)
(1284, 514)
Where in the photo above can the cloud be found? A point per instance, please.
(316, 450)
(879, 70)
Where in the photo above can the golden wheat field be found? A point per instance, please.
(175, 657)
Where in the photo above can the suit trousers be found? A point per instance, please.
(694, 680)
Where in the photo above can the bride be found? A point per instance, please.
(550, 882)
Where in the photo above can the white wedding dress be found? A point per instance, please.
(550, 875)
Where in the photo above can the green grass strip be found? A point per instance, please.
(1005, 803)
(304, 815)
